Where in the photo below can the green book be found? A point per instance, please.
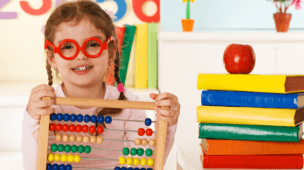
(152, 56)
(126, 51)
(250, 132)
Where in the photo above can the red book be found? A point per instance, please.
(253, 161)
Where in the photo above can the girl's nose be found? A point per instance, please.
(81, 56)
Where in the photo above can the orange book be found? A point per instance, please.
(242, 147)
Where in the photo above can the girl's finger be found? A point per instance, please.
(166, 96)
(166, 102)
(46, 103)
(42, 93)
(42, 87)
(164, 112)
(43, 111)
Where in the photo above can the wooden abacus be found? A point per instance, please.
(45, 124)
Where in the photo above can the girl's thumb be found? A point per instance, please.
(153, 95)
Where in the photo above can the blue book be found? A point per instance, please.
(252, 99)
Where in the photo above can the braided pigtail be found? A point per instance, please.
(49, 72)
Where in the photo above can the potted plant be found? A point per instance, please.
(281, 18)
(188, 23)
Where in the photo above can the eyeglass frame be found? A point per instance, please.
(57, 50)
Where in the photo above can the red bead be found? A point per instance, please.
(99, 129)
(52, 127)
(149, 132)
(85, 129)
(78, 128)
(92, 129)
(72, 128)
(65, 127)
(58, 127)
(141, 131)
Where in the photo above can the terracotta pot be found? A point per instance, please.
(187, 25)
(282, 21)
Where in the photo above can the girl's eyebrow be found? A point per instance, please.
(99, 37)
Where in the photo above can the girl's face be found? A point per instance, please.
(82, 70)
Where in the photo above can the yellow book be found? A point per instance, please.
(250, 116)
(251, 83)
(141, 57)
(129, 83)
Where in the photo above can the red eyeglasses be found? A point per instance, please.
(68, 49)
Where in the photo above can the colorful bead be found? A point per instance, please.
(151, 142)
(74, 148)
(142, 168)
(117, 168)
(65, 138)
(66, 117)
(64, 158)
(141, 131)
(79, 118)
(72, 128)
(85, 129)
(50, 157)
(61, 167)
(53, 116)
(59, 116)
(86, 139)
(57, 157)
(149, 169)
(129, 161)
(144, 142)
(87, 118)
(54, 147)
(58, 137)
(52, 127)
(72, 138)
(58, 127)
(78, 138)
(100, 119)
(108, 119)
(143, 161)
(133, 151)
(73, 117)
(149, 132)
(92, 139)
(70, 158)
(150, 162)
(55, 167)
(140, 152)
(136, 161)
(93, 118)
(99, 139)
(130, 168)
(136, 168)
(92, 129)
(65, 127)
(121, 160)
(125, 151)
(68, 167)
(78, 128)
(87, 149)
(99, 129)
(80, 148)
(49, 167)
(137, 141)
(60, 147)
(149, 152)
(67, 148)
(123, 168)
(77, 158)
(148, 122)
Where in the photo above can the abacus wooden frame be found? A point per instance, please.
(45, 120)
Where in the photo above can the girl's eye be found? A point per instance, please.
(67, 47)
(94, 45)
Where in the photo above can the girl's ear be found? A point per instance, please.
(50, 58)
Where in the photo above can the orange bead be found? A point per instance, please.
(58, 137)
(92, 139)
(99, 139)
(151, 142)
(144, 142)
(86, 139)
(78, 138)
(137, 141)
(65, 138)
(72, 138)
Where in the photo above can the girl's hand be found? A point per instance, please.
(36, 106)
(166, 99)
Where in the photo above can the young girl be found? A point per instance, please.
(85, 24)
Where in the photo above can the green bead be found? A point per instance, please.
(60, 147)
(125, 151)
(67, 148)
(140, 152)
(133, 151)
(87, 149)
(80, 148)
(54, 147)
(149, 152)
(74, 148)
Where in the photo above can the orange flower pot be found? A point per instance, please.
(187, 25)
(282, 21)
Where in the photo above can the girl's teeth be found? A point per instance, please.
(81, 68)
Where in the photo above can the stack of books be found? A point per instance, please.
(251, 121)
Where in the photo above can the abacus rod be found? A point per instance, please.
(106, 139)
(94, 149)
(105, 159)
(92, 168)
(133, 120)
(123, 130)
(124, 104)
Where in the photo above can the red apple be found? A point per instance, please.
(239, 59)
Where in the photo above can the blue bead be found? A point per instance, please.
(79, 118)
(73, 117)
(66, 117)
(108, 119)
(117, 168)
(87, 118)
(124, 168)
(136, 168)
(62, 167)
(59, 116)
(68, 167)
(49, 167)
(149, 168)
(143, 169)
(93, 119)
(53, 116)
(100, 119)
(55, 167)
(130, 168)
(148, 122)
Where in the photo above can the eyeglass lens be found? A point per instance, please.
(92, 47)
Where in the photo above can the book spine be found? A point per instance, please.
(130, 78)
(249, 132)
(152, 56)
(249, 99)
(253, 161)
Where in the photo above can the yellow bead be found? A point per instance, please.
(144, 142)
(72, 138)
(151, 142)
(64, 158)
(129, 161)
(150, 162)
(70, 158)
(137, 141)
(78, 138)
(51, 157)
(136, 161)
(143, 161)
(57, 157)
(86, 139)
(99, 140)
(77, 158)
(65, 138)
(121, 160)
(58, 137)
(92, 139)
